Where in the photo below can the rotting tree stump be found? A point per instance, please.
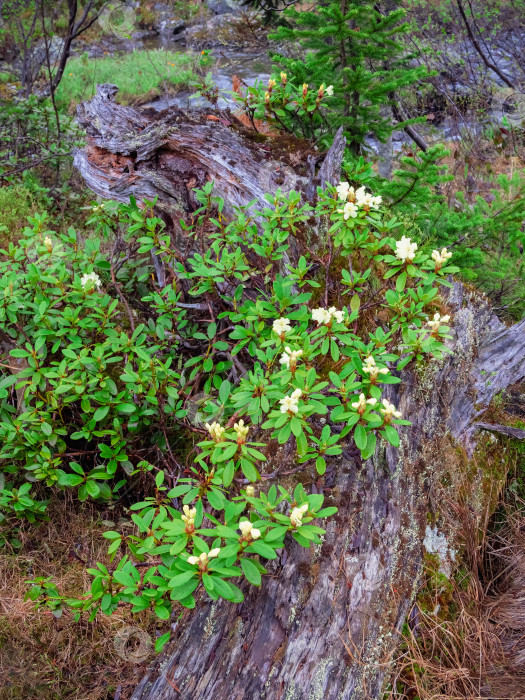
(326, 621)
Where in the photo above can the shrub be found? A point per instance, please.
(107, 367)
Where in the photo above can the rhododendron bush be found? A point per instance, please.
(198, 378)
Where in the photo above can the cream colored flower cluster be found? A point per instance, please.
(326, 315)
(372, 369)
(188, 517)
(405, 249)
(360, 406)
(90, 279)
(389, 411)
(297, 515)
(248, 530)
(440, 257)
(290, 357)
(48, 244)
(216, 431)
(281, 326)
(241, 431)
(203, 559)
(356, 199)
(291, 403)
(437, 321)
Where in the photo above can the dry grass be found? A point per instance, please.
(47, 658)
(465, 637)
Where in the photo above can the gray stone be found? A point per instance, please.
(224, 7)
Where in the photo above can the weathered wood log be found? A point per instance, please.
(325, 623)
(166, 155)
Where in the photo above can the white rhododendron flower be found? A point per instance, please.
(203, 559)
(250, 491)
(281, 326)
(248, 530)
(297, 515)
(189, 515)
(98, 208)
(437, 321)
(405, 249)
(326, 315)
(321, 315)
(290, 357)
(372, 369)
(389, 411)
(48, 244)
(241, 431)
(339, 315)
(366, 199)
(216, 431)
(297, 394)
(290, 403)
(329, 90)
(343, 189)
(440, 257)
(349, 211)
(360, 405)
(90, 279)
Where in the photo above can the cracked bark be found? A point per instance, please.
(325, 622)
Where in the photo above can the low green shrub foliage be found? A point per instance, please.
(130, 364)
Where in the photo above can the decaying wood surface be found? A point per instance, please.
(170, 153)
(326, 620)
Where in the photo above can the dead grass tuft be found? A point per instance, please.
(47, 658)
(465, 637)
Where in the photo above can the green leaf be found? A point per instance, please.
(276, 533)
(215, 499)
(249, 471)
(182, 579)
(355, 302)
(184, 590)
(101, 413)
(46, 429)
(263, 549)
(224, 391)
(161, 642)
(162, 611)
(320, 465)
(370, 447)
(401, 281)
(391, 434)
(251, 572)
(360, 437)
(69, 479)
(125, 579)
(92, 488)
(126, 408)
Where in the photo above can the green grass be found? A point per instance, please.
(17, 202)
(145, 74)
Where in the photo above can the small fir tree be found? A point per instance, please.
(357, 48)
